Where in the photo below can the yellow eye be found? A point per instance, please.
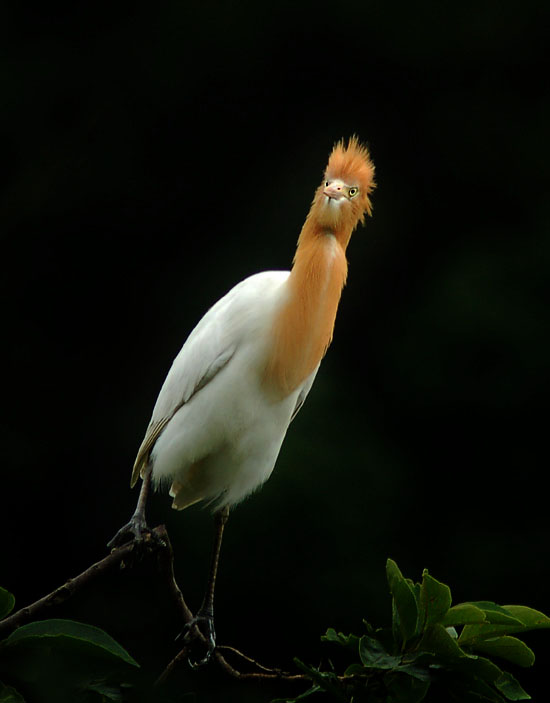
(352, 192)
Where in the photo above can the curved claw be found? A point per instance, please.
(137, 530)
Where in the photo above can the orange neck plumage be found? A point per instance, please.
(303, 327)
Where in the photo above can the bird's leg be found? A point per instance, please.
(204, 618)
(136, 528)
(206, 611)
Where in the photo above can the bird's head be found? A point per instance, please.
(342, 199)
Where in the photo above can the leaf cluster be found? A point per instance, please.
(433, 650)
(60, 660)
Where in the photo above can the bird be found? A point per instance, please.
(246, 369)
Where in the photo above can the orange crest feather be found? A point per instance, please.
(352, 164)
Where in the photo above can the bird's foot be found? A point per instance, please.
(201, 624)
(135, 530)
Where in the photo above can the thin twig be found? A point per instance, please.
(180, 656)
(233, 650)
(268, 670)
(274, 674)
(166, 567)
(70, 587)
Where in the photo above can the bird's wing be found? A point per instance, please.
(209, 347)
(197, 363)
(153, 433)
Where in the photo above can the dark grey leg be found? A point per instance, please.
(136, 528)
(205, 614)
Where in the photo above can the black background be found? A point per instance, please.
(153, 155)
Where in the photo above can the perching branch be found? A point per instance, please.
(265, 673)
(158, 544)
(69, 588)
(166, 568)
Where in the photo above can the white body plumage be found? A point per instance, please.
(247, 367)
(224, 431)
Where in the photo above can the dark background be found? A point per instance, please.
(153, 155)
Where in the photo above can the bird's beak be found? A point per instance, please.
(335, 191)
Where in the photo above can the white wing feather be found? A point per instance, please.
(210, 346)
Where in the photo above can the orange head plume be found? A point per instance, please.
(352, 164)
(342, 199)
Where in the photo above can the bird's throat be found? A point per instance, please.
(304, 324)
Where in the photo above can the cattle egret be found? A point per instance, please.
(247, 367)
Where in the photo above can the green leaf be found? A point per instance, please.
(509, 648)
(524, 619)
(440, 642)
(463, 614)
(404, 600)
(106, 691)
(475, 690)
(404, 688)
(69, 632)
(7, 601)
(327, 681)
(502, 620)
(496, 614)
(510, 687)
(331, 635)
(435, 599)
(356, 668)
(9, 694)
(529, 618)
(374, 655)
(414, 671)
